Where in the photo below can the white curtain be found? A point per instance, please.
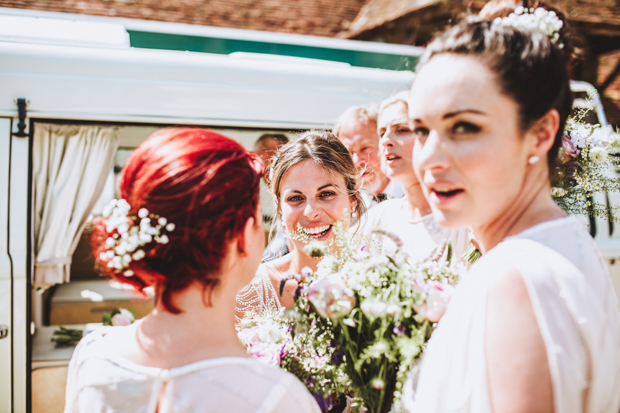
(70, 166)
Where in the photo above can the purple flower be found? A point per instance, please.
(321, 402)
(567, 151)
(337, 357)
(399, 329)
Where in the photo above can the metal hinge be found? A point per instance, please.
(21, 112)
(4, 331)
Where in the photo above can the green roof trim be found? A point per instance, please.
(167, 41)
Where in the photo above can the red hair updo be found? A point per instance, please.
(205, 184)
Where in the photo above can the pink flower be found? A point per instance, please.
(268, 353)
(435, 299)
(568, 150)
(330, 296)
(120, 320)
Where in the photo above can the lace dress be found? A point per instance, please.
(576, 311)
(259, 295)
(420, 236)
(102, 382)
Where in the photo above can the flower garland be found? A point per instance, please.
(540, 19)
(128, 233)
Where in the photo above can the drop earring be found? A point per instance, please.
(533, 160)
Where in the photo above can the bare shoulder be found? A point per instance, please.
(517, 364)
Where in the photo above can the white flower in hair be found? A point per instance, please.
(128, 233)
(539, 19)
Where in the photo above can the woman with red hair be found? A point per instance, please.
(188, 224)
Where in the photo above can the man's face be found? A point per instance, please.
(362, 140)
(266, 149)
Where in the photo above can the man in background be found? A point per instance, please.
(357, 129)
(266, 146)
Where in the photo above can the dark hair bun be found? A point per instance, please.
(503, 8)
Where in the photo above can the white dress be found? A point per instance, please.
(576, 310)
(259, 295)
(99, 381)
(420, 236)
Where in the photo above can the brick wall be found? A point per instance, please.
(311, 17)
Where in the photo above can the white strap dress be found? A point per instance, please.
(576, 310)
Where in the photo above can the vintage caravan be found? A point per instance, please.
(78, 93)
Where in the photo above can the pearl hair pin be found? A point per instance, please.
(533, 160)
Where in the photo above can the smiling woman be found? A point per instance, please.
(314, 181)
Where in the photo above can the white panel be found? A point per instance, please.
(5, 268)
(173, 87)
(18, 249)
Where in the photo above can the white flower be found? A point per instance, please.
(558, 192)
(127, 314)
(103, 256)
(128, 273)
(393, 309)
(123, 206)
(613, 140)
(373, 308)
(270, 332)
(170, 227)
(145, 222)
(123, 228)
(109, 254)
(120, 250)
(306, 272)
(377, 384)
(163, 239)
(162, 221)
(143, 213)
(598, 155)
(145, 238)
(138, 255)
(117, 263)
(110, 242)
(126, 259)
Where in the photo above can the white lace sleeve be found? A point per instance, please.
(257, 296)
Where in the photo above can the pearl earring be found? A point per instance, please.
(533, 160)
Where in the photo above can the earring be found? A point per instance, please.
(533, 160)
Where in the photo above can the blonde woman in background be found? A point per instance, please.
(409, 218)
(314, 183)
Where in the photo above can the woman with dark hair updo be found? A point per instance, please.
(314, 181)
(189, 224)
(534, 326)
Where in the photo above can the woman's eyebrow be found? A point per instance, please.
(325, 186)
(458, 112)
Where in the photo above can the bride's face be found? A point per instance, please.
(315, 199)
(469, 153)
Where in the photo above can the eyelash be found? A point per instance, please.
(420, 132)
(298, 198)
(469, 128)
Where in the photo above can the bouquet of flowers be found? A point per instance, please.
(300, 348)
(380, 311)
(585, 167)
